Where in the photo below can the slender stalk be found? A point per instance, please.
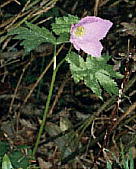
(54, 65)
(46, 108)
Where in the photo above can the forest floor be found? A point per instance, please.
(81, 131)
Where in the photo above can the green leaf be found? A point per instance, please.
(109, 165)
(63, 38)
(131, 159)
(95, 72)
(76, 66)
(107, 82)
(76, 60)
(53, 12)
(93, 84)
(63, 24)
(19, 160)
(6, 164)
(32, 36)
(4, 148)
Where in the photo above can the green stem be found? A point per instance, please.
(46, 108)
(54, 65)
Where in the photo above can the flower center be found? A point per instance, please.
(80, 31)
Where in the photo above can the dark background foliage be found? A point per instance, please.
(69, 139)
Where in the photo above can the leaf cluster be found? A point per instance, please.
(63, 24)
(95, 72)
(13, 157)
(33, 35)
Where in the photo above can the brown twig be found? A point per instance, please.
(18, 16)
(129, 110)
(9, 1)
(59, 93)
(18, 84)
(40, 77)
(127, 74)
(96, 7)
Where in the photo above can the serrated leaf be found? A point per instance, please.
(76, 66)
(107, 82)
(95, 72)
(63, 38)
(63, 24)
(74, 59)
(6, 164)
(32, 36)
(102, 63)
(42, 32)
(93, 84)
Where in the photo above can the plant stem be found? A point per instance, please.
(54, 58)
(46, 108)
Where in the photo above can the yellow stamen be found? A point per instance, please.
(80, 31)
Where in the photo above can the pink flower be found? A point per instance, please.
(86, 35)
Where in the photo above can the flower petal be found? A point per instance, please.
(96, 28)
(75, 43)
(86, 35)
(93, 48)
